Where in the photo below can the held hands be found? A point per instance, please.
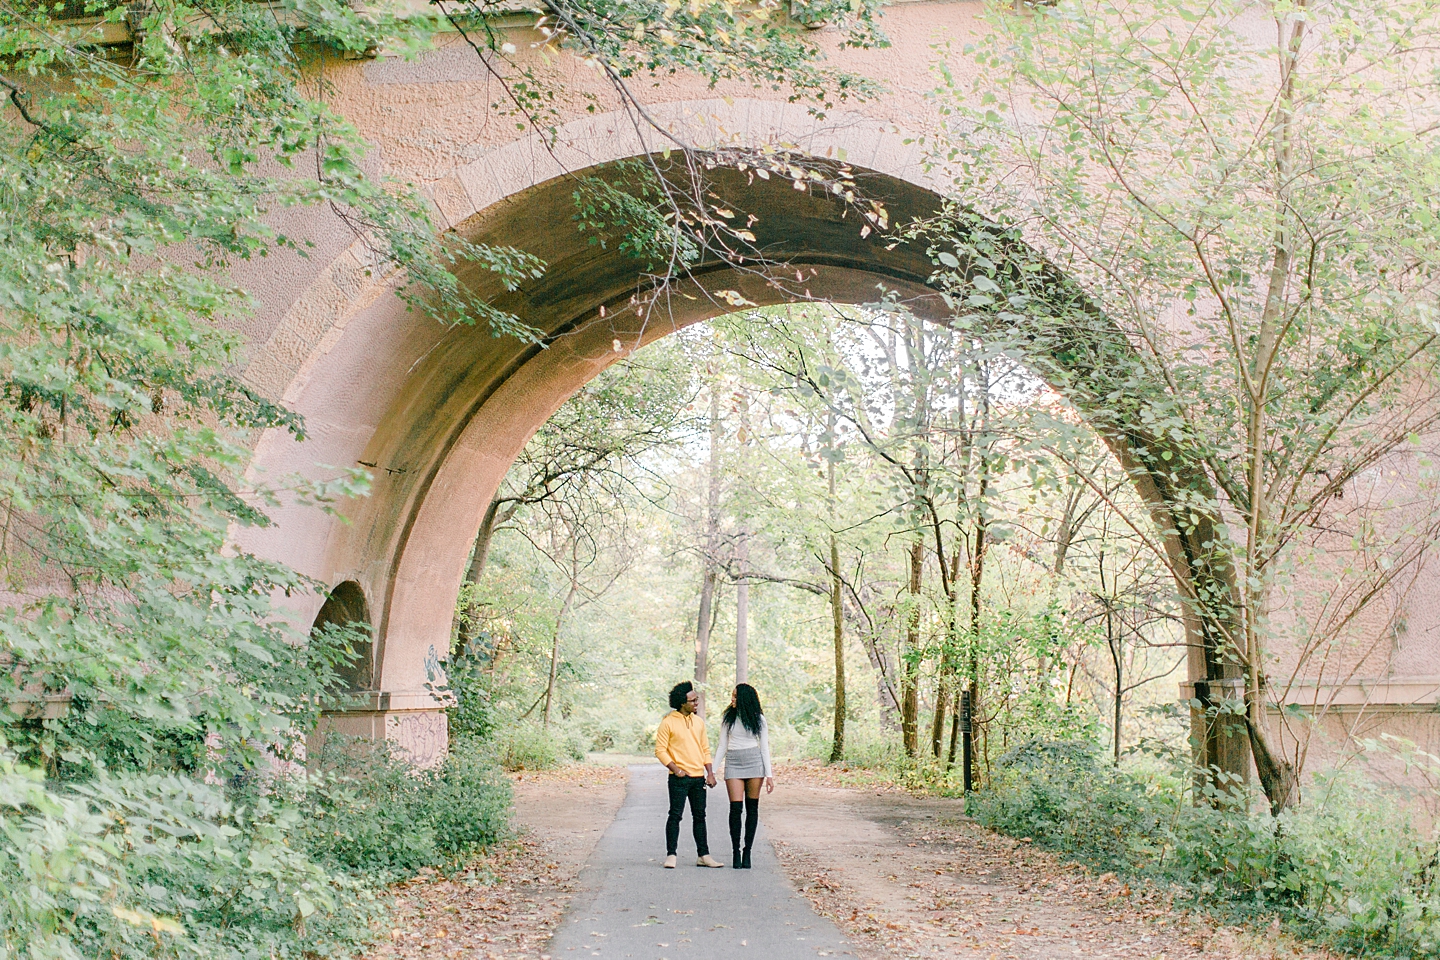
(710, 780)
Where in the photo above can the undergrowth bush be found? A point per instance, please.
(621, 732)
(370, 813)
(1064, 795)
(870, 748)
(520, 744)
(472, 714)
(160, 865)
(529, 746)
(467, 801)
(1345, 867)
(129, 864)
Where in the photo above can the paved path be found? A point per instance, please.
(627, 905)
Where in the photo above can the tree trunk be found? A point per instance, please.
(1066, 531)
(480, 556)
(837, 746)
(916, 421)
(884, 685)
(909, 669)
(965, 718)
(949, 674)
(1119, 703)
(555, 643)
(1117, 657)
(702, 634)
(954, 731)
(742, 563)
(1113, 642)
(1277, 775)
(486, 534)
(705, 620)
(942, 704)
(742, 611)
(977, 580)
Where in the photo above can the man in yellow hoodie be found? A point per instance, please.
(682, 746)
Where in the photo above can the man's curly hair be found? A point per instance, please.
(679, 692)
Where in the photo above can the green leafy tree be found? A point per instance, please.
(936, 420)
(128, 186)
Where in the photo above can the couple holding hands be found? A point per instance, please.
(682, 745)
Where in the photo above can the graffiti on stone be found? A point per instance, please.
(437, 681)
(422, 736)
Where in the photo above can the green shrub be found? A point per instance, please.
(529, 746)
(472, 715)
(575, 744)
(466, 803)
(360, 805)
(131, 866)
(1345, 867)
(866, 745)
(370, 813)
(622, 733)
(1064, 795)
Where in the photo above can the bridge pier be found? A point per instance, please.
(413, 723)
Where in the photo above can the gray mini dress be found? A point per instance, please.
(745, 764)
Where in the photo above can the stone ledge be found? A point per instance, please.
(39, 706)
(384, 701)
(1388, 695)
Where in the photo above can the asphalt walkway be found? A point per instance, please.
(628, 905)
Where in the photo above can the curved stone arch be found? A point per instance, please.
(450, 409)
(353, 280)
(295, 364)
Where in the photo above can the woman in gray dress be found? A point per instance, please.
(745, 750)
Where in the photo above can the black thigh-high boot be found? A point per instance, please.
(752, 820)
(735, 806)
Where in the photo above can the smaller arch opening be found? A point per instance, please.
(346, 607)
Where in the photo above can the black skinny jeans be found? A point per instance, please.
(682, 788)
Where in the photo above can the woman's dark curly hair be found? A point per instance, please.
(746, 709)
(679, 692)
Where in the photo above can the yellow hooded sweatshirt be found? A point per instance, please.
(681, 739)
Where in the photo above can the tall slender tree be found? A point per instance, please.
(837, 602)
(709, 569)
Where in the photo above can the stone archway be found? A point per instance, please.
(438, 415)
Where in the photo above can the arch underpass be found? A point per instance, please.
(439, 414)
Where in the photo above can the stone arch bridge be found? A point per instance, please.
(438, 414)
